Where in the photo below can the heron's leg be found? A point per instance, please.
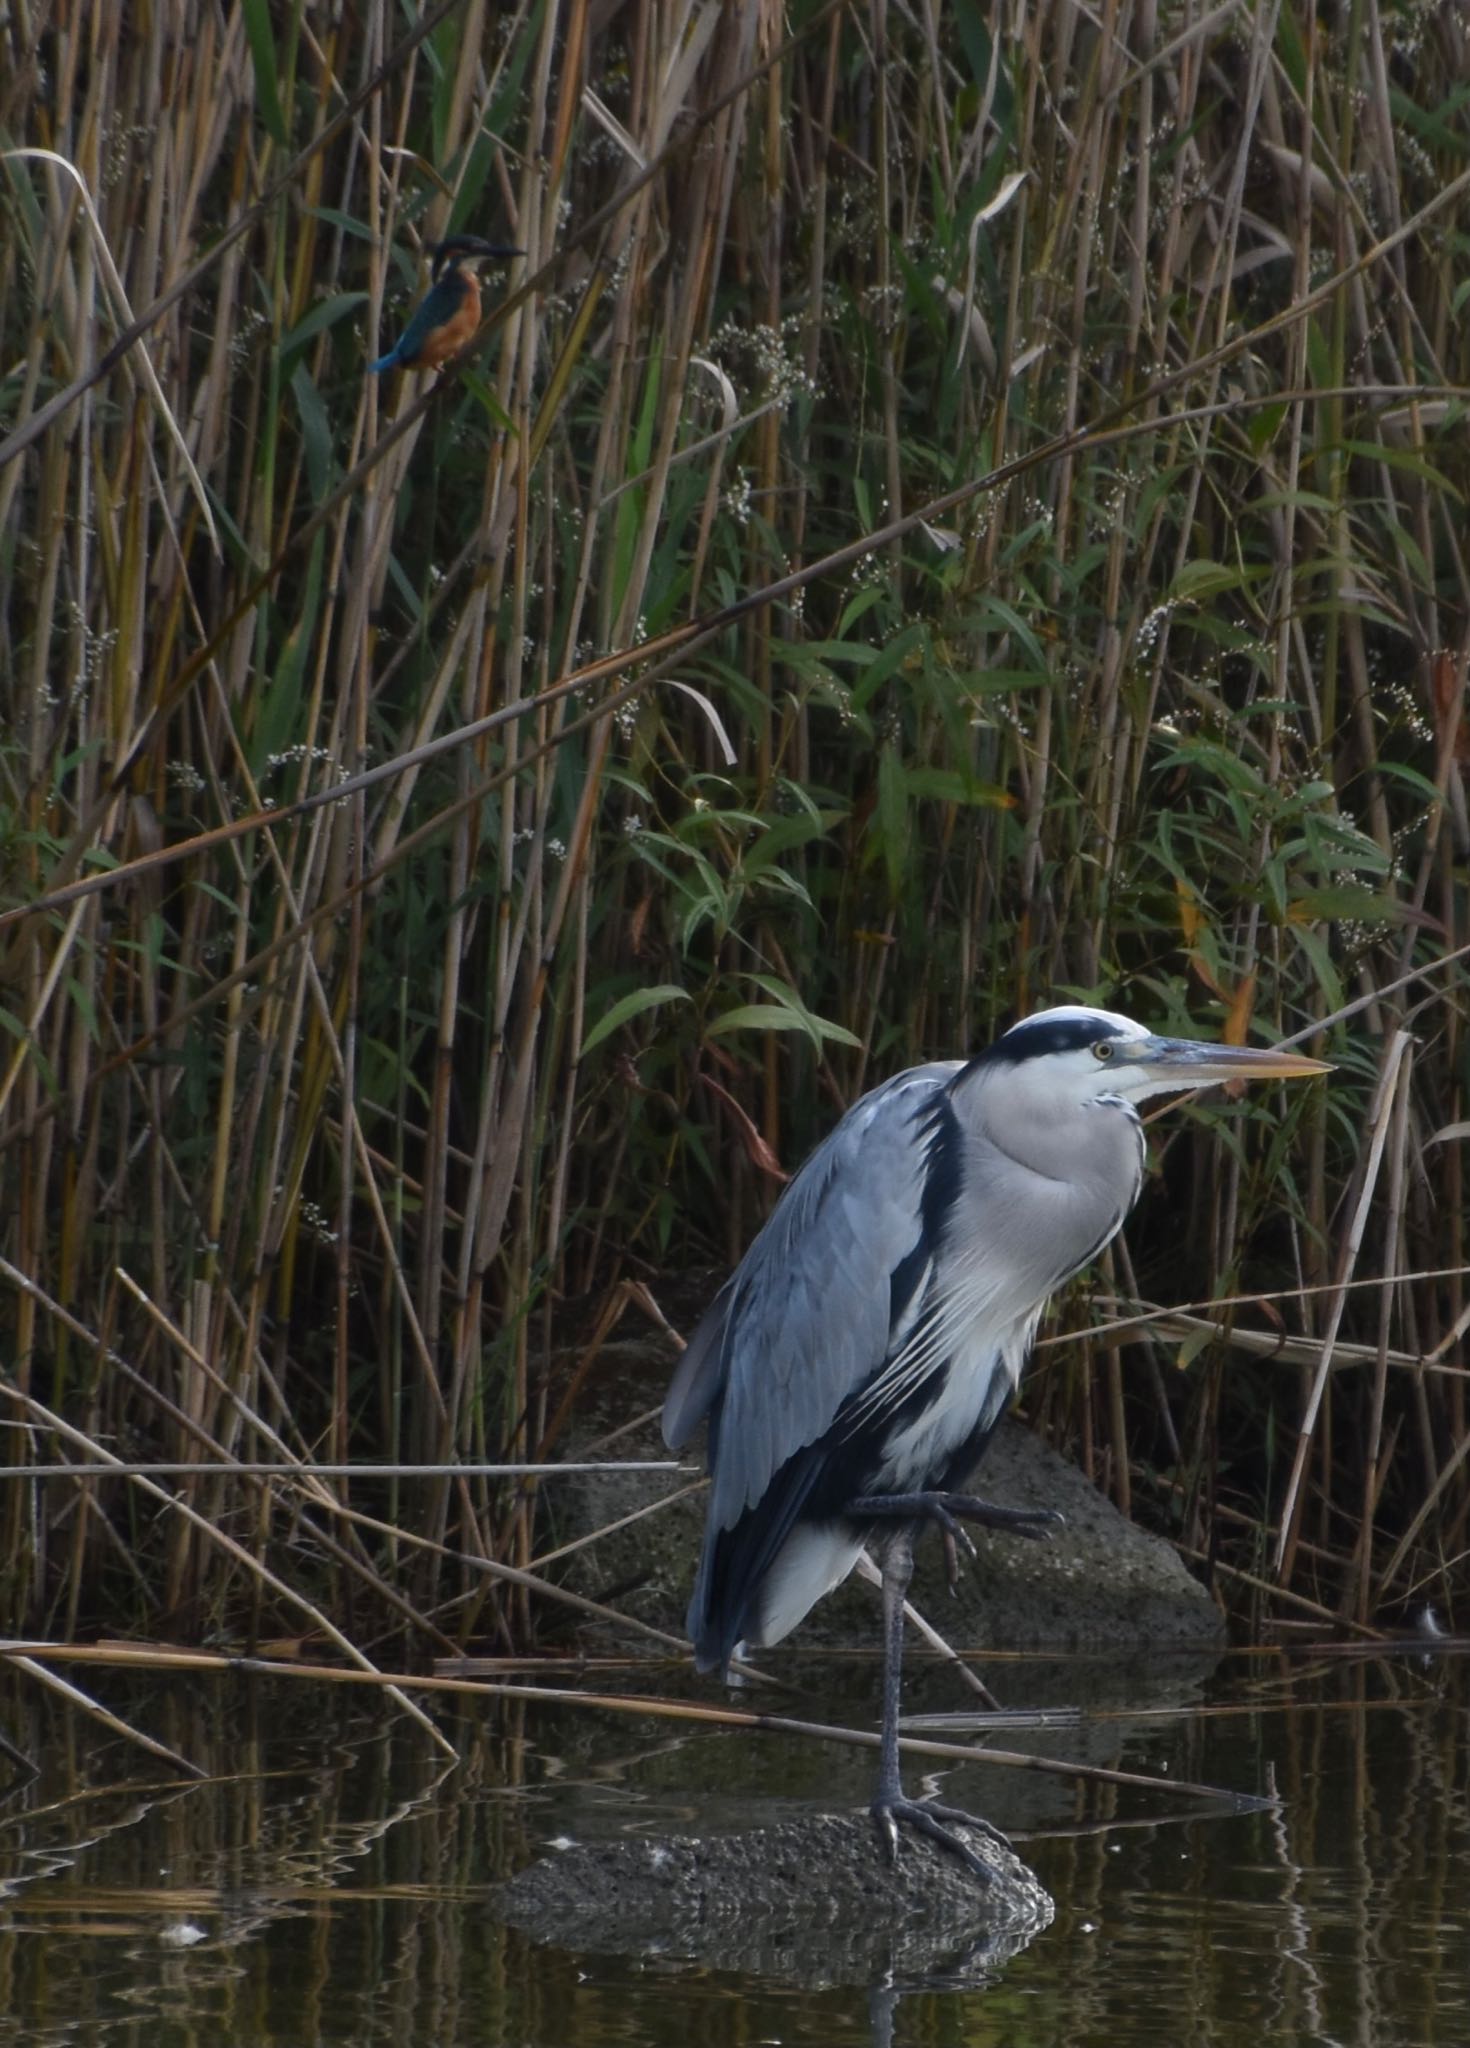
(948, 1510)
(940, 1507)
(890, 1805)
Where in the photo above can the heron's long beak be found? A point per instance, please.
(1185, 1063)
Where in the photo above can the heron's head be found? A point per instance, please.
(1075, 1055)
(463, 252)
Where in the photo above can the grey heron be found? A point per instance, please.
(854, 1365)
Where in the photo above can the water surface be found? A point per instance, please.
(328, 1883)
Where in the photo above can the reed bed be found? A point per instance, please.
(956, 506)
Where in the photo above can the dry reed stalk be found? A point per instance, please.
(95, 1711)
(125, 1656)
(1394, 1058)
(226, 1543)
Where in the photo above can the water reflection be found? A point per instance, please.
(329, 1882)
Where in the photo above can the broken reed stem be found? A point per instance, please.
(1285, 1595)
(1379, 1120)
(240, 1468)
(114, 1723)
(125, 1656)
(261, 1573)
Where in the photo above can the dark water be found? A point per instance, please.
(329, 1883)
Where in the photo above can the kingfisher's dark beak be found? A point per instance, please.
(474, 246)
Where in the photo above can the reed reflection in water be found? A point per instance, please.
(330, 1881)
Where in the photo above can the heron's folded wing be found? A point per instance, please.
(807, 1318)
(699, 1375)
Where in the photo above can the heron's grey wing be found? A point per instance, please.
(699, 1375)
(808, 1316)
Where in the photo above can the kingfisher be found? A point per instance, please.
(450, 312)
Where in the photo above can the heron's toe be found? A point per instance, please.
(927, 1818)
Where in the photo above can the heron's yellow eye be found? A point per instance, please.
(1103, 1050)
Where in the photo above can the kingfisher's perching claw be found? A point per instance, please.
(450, 312)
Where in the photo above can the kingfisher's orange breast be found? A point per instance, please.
(456, 330)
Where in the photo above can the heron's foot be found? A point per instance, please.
(928, 1817)
(1033, 1522)
(948, 1510)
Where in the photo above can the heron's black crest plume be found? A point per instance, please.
(1036, 1037)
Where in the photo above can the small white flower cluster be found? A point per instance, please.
(600, 149)
(1357, 935)
(315, 1218)
(982, 512)
(1415, 162)
(868, 572)
(997, 715)
(883, 303)
(775, 355)
(623, 262)
(184, 775)
(1364, 188)
(1401, 842)
(243, 339)
(1403, 29)
(290, 756)
(1153, 625)
(95, 649)
(120, 144)
(737, 500)
(772, 351)
(1394, 699)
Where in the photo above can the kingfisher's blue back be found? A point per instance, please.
(442, 302)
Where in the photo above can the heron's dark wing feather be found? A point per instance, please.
(807, 1318)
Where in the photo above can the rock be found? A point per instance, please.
(1096, 1583)
(811, 1900)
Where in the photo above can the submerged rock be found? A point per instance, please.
(811, 1900)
